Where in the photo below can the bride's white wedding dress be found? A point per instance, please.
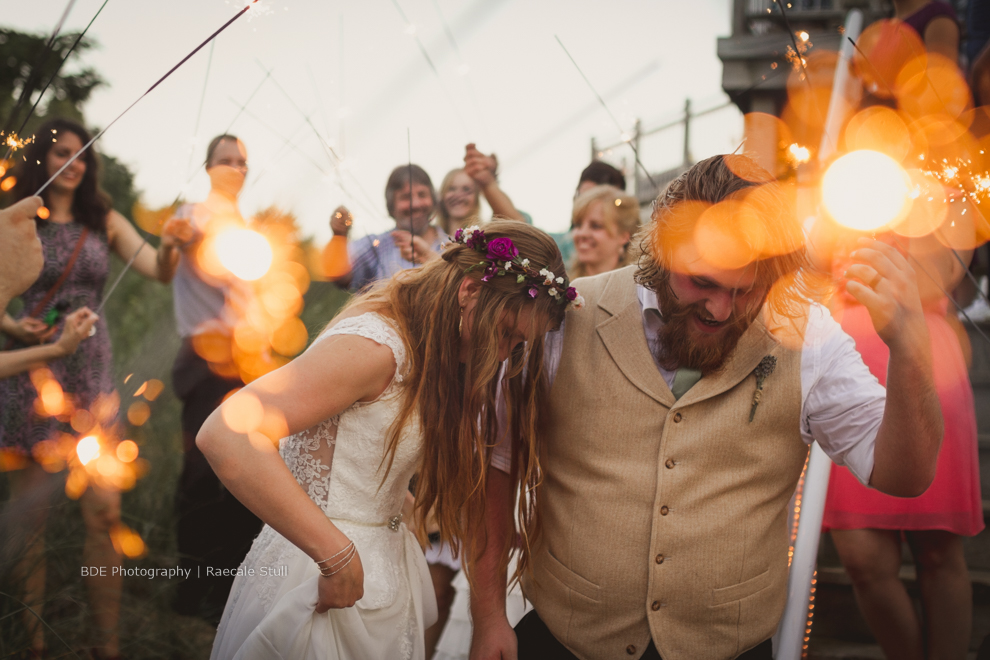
(271, 609)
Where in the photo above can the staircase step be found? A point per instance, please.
(836, 649)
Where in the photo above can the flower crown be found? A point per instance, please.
(502, 258)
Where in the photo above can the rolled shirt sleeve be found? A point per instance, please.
(843, 402)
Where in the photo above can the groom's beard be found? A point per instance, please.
(680, 344)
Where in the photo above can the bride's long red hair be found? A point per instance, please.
(455, 402)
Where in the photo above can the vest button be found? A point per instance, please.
(631, 649)
(659, 559)
(655, 606)
(669, 463)
(664, 510)
(677, 417)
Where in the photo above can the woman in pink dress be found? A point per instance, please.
(868, 526)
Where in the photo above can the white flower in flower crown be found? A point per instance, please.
(554, 292)
(578, 302)
(525, 262)
(560, 280)
(548, 275)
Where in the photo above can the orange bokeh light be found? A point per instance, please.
(127, 451)
(878, 128)
(243, 412)
(138, 413)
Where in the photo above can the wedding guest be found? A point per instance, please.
(603, 223)
(213, 529)
(600, 173)
(80, 232)
(20, 250)
(934, 21)
(410, 200)
(868, 526)
(707, 358)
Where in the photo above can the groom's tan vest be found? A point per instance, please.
(663, 518)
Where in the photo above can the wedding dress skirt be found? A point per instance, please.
(271, 611)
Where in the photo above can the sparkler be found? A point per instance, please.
(412, 234)
(866, 190)
(971, 184)
(245, 253)
(10, 147)
(799, 56)
(149, 90)
(144, 239)
(605, 106)
(199, 112)
(335, 159)
(411, 31)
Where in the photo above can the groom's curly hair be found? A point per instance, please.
(753, 213)
(454, 403)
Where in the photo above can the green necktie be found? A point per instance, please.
(684, 379)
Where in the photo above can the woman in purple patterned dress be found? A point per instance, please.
(79, 212)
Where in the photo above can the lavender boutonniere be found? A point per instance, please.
(762, 371)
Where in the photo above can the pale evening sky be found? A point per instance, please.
(356, 70)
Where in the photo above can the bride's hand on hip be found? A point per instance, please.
(342, 589)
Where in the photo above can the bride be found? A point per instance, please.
(404, 381)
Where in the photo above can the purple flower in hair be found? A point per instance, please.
(502, 248)
(458, 235)
(490, 272)
(533, 292)
(476, 241)
(571, 294)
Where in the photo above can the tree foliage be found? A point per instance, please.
(26, 64)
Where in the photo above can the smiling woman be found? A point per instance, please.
(77, 238)
(603, 222)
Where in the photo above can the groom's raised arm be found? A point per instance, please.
(494, 638)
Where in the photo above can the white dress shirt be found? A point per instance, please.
(842, 403)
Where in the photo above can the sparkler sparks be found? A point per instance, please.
(798, 154)
(244, 253)
(13, 141)
(257, 8)
(866, 190)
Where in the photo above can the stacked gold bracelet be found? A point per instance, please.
(331, 569)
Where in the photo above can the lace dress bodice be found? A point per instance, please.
(339, 462)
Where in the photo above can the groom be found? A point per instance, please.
(683, 399)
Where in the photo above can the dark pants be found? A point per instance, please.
(214, 529)
(537, 643)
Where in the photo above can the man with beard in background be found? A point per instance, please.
(410, 199)
(683, 400)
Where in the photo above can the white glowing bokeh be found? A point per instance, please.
(866, 190)
(245, 253)
(88, 448)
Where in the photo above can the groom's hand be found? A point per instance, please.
(493, 639)
(343, 589)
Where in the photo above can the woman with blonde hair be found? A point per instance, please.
(403, 381)
(603, 222)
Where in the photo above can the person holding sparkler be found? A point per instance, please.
(459, 198)
(78, 233)
(683, 402)
(410, 200)
(868, 526)
(405, 380)
(21, 258)
(213, 528)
